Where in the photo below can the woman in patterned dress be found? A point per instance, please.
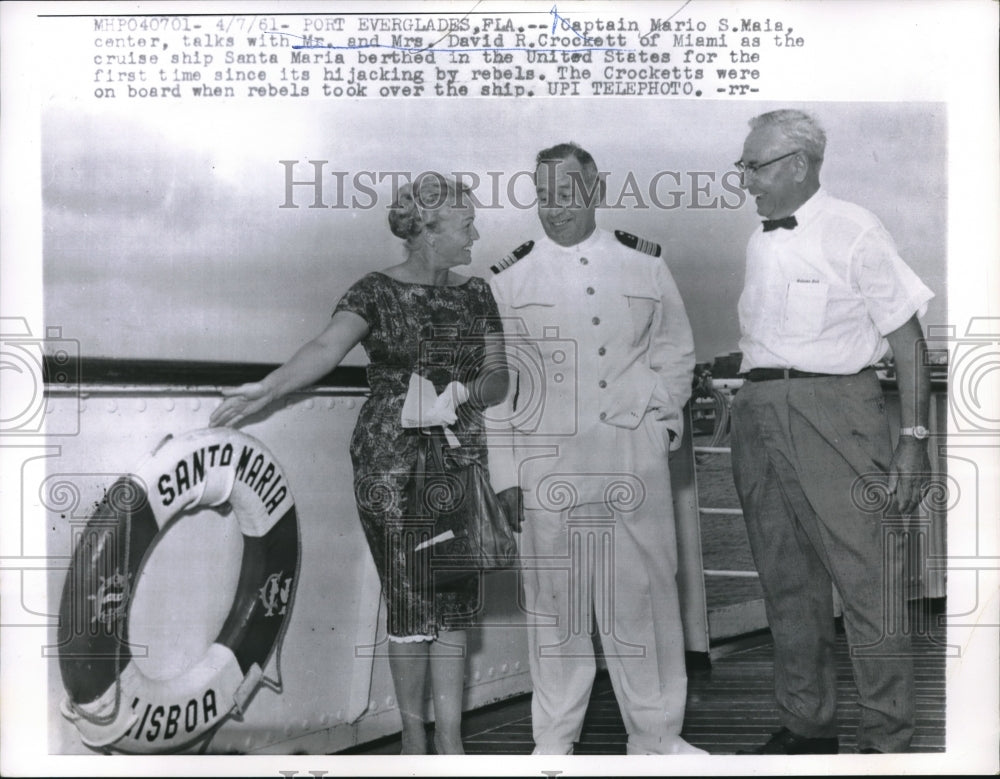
(415, 317)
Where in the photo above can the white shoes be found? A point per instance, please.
(552, 749)
(673, 746)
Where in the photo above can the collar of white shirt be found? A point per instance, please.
(805, 213)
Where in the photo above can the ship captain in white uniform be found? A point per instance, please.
(601, 359)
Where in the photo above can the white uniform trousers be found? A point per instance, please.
(609, 568)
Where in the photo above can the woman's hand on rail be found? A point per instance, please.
(240, 402)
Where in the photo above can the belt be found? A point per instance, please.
(771, 374)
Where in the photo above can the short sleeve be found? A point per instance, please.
(891, 290)
(360, 300)
(488, 313)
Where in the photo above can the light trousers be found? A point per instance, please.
(607, 568)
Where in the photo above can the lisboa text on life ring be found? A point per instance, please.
(111, 702)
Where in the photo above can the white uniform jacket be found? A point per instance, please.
(597, 339)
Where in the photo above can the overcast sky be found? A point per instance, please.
(164, 238)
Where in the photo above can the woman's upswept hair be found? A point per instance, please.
(419, 205)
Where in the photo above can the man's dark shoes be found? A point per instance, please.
(784, 742)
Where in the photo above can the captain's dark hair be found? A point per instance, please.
(566, 151)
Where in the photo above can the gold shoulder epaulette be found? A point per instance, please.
(518, 253)
(637, 243)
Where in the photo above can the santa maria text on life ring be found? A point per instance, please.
(113, 704)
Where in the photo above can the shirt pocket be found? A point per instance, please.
(531, 314)
(805, 308)
(641, 309)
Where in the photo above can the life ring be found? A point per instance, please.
(111, 702)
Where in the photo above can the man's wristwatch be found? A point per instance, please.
(919, 432)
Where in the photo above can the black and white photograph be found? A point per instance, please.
(480, 388)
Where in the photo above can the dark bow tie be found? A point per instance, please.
(788, 223)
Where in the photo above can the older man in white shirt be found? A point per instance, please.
(825, 297)
(602, 356)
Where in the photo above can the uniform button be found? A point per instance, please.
(590, 290)
(603, 416)
(596, 320)
(584, 261)
(602, 384)
(602, 351)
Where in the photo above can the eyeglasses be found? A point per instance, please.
(751, 167)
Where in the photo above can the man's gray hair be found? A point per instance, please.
(798, 127)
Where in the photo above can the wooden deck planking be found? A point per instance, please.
(730, 706)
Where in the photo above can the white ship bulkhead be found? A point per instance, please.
(325, 685)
